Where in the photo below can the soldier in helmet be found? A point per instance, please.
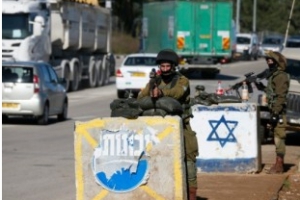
(276, 91)
(175, 85)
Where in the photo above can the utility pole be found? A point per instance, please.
(288, 25)
(254, 16)
(237, 13)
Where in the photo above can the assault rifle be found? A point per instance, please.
(152, 84)
(251, 78)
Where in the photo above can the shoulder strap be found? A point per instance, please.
(174, 80)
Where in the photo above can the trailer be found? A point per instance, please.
(201, 33)
(73, 36)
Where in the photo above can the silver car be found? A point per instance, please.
(274, 43)
(32, 89)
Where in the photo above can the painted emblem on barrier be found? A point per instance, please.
(222, 131)
(120, 162)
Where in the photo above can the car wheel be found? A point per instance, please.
(120, 94)
(64, 114)
(4, 119)
(44, 119)
(255, 56)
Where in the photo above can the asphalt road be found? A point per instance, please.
(38, 161)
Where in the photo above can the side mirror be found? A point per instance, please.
(62, 81)
(38, 25)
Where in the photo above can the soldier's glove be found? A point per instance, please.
(274, 119)
(156, 93)
(260, 86)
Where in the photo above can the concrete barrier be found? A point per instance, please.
(227, 137)
(118, 158)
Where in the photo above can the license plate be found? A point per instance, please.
(10, 105)
(138, 74)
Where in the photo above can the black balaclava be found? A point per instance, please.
(273, 66)
(168, 75)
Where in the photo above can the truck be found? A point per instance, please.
(73, 36)
(291, 52)
(201, 33)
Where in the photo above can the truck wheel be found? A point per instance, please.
(75, 82)
(65, 65)
(106, 71)
(93, 76)
(100, 81)
(67, 77)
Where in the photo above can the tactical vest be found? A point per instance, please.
(185, 99)
(270, 91)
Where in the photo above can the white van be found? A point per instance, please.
(247, 46)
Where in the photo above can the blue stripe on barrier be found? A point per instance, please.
(246, 108)
(227, 165)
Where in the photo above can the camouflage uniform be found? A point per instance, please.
(179, 89)
(276, 91)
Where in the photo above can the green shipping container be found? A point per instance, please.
(192, 29)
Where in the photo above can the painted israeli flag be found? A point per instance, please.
(227, 137)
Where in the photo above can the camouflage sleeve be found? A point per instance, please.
(178, 90)
(144, 92)
(281, 82)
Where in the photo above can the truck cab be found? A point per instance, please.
(24, 26)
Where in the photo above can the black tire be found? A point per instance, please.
(255, 56)
(4, 119)
(93, 76)
(75, 83)
(64, 114)
(67, 78)
(120, 94)
(106, 71)
(100, 79)
(44, 119)
(208, 75)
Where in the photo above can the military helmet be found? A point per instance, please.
(277, 57)
(167, 55)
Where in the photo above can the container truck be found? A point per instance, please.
(202, 33)
(74, 37)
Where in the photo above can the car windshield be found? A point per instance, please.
(138, 61)
(293, 68)
(293, 44)
(272, 41)
(243, 40)
(16, 26)
(17, 74)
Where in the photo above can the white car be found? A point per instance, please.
(247, 45)
(134, 73)
(273, 43)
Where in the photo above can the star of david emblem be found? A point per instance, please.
(228, 136)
